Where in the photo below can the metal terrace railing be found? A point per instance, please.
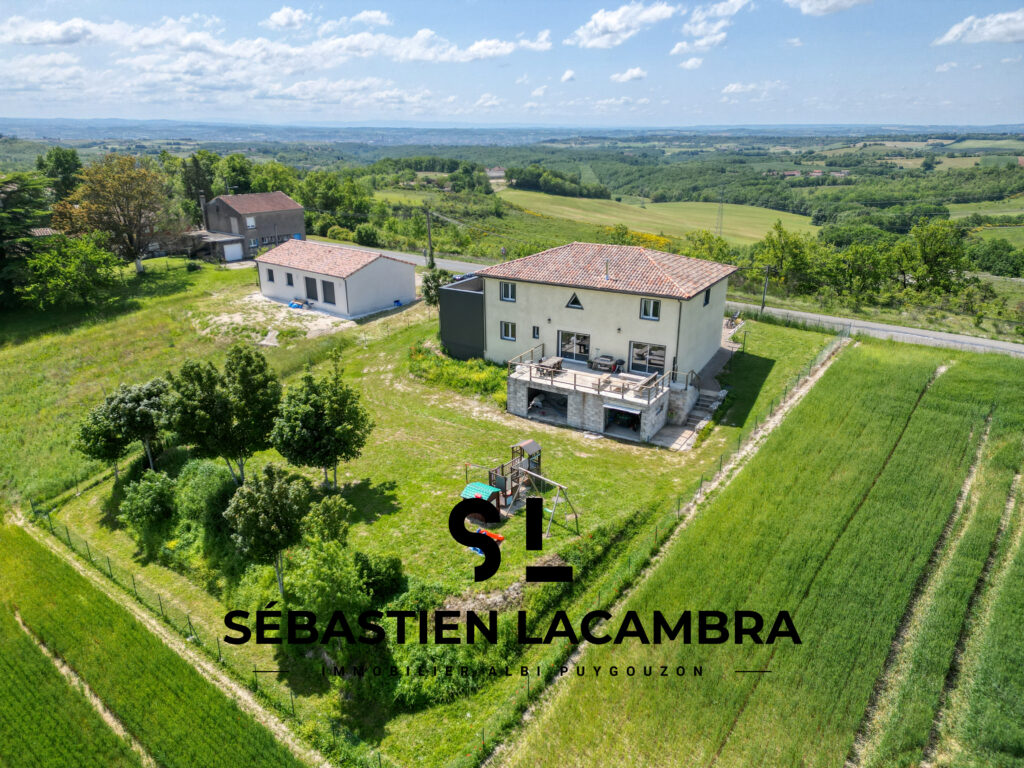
(608, 385)
(532, 353)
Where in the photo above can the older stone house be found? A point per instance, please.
(238, 226)
(607, 338)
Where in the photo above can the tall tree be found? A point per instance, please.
(121, 197)
(433, 280)
(227, 415)
(273, 177)
(235, 172)
(23, 207)
(140, 409)
(321, 422)
(941, 255)
(265, 516)
(61, 165)
(101, 435)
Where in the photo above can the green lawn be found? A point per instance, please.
(740, 223)
(1015, 235)
(1009, 207)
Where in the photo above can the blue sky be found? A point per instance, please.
(579, 63)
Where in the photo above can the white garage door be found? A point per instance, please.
(233, 252)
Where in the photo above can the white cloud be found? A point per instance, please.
(538, 92)
(691, 63)
(823, 7)
(568, 75)
(762, 90)
(794, 42)
(633, 73)
(523, 79)
(946, 67)
(487, 101)
(607, 29)
(542, 43)
(372, 19)
(701, 44)
(995, 28)
(707, 24)
(39, 70)
(286, 18)
(1010, 60)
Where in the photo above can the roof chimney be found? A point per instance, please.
(606, 267)
(202, 209)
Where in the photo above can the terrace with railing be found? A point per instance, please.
(531, 366)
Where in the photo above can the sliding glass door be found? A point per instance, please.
(646, 358)
(574, 346)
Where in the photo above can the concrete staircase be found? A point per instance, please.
(682, 437)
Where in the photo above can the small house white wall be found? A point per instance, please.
(379, 285)
(281, 291)
(700, 332)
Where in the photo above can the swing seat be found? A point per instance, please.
(496, 536)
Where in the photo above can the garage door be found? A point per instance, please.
(233, 252)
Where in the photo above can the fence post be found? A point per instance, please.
(293, 710)
(68, 533)
(109, 569)
(134, 588)
(191, 628)
(256, 684)
(87, 550)
(161, 602)
(219, 657)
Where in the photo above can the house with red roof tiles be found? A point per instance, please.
(600, 333)
(237, 227)
(344, 281)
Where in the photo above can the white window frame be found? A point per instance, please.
(253, 244)
(651, 312)
(250, 222)
(507, 330)
(270, 275)
(507, 291)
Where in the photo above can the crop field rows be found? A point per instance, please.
(846, 562)
(163, 702)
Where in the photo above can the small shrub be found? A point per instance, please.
(366, 234)
(473, 376)
(148, 508)
(193, 266)
(339, 233)
(328, 519)
(382, 574)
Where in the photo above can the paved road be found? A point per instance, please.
(895, 332)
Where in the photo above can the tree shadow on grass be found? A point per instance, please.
(23, 323)
(745, 379)
(372, 500)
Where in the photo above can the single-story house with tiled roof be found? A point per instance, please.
(345, 281)
(650, 320)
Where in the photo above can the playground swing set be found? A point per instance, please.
(508, 485)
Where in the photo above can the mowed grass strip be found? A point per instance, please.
(808, 712)
(180, 718)
(740, 223)
(756, 547)
(44, 721)
(908, 708)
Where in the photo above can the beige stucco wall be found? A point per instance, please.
(612, 320)
(379, 284)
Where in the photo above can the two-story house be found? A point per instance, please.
(596, 335)
(238, 226)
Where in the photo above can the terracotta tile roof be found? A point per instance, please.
(259, 202)
(42, 232)
(322, 258)
(631, 269)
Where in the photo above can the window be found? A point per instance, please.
(574, 302)
(574, 346)
(707, 297)
(508, 291)
(328, 287)
(270, 275)
(650, 309)
(646, 358)
(254, 244)
(288, 278)
(508, 331)
(250, 222)
(311, 288)
(536, 331)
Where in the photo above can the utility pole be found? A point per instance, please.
(764, 292)
(721, 212)
(430, 240)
